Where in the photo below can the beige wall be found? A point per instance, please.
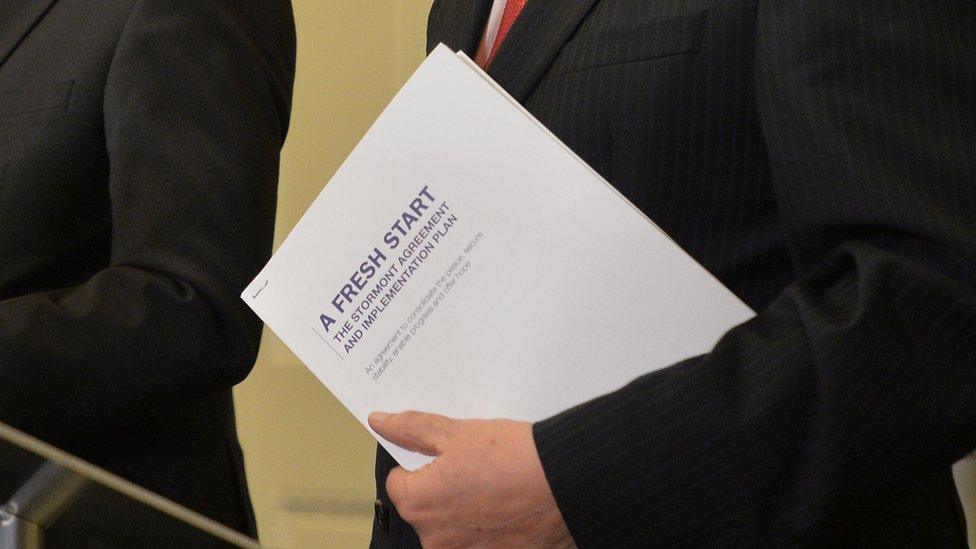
(965, 474)
(310, 465)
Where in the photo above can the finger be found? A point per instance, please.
(397, 487)
(409, 492)
(416, 431)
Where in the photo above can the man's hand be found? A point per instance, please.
(485, 489)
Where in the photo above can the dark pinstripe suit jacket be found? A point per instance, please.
(819, 157)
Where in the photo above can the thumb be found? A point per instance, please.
(415, 431)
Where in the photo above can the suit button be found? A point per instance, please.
(382, 515)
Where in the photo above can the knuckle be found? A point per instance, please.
(415, 427)
(408, 512)
(405, 498)
(410, 416)
(428, 540)
(397, 488)
(409, 421)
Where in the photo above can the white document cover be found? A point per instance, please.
(463, 261)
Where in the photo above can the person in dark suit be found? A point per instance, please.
(820, 159)
(139, 148)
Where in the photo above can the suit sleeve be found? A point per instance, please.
(858, 381)
(195, 113)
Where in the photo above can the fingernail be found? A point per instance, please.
(378, 417)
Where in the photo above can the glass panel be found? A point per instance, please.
(51, 499)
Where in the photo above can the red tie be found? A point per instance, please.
(512, 10)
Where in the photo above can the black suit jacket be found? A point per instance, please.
(139, 144)
(819, 157)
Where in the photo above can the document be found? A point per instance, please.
(464, 261)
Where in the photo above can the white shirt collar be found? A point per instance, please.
(491, 31)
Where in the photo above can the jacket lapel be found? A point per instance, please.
(458, 23)
(534, 42)
(17, 18)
